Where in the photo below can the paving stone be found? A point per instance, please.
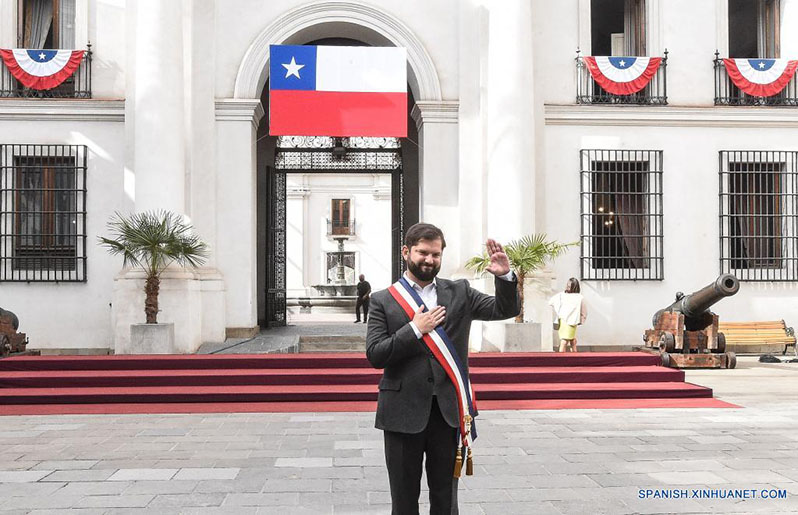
(688, 478)
(161, 487)
(115, 501)
(206, 473)
(303, 462)
(78, 475)
(23, 476)
(262, 499)
(186, 500)
(145, 474)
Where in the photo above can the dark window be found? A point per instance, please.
(758, 215)
(42, 213)
(754, 28)
(618, 27)
(621, 205)
(340, 216)
(46, 24)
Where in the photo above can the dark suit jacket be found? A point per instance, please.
(412, 374)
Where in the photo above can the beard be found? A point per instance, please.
(422, 272)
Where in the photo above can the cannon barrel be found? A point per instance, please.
(695, 304)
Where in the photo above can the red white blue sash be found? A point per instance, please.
(444, 351)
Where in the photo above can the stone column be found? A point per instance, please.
(159, 132)
(510, 151)
(789, 29)
(511, 141)
(439, 174)
(236, 216)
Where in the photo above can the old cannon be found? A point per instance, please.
(686, 332)
(11, 341)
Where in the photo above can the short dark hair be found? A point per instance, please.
(423, 231)
(572, 286)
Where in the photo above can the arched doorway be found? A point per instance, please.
(278, 157)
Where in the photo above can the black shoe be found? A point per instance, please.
(357, 321)
(365, 321)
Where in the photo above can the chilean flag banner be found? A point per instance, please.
(41, 69)
(760, 77)
(622, 75)
(337, 91)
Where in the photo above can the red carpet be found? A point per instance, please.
(328, 382)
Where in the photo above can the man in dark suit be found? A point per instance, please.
(417, 405)
(363, 297)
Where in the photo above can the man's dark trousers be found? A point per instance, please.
(403, 456)
(362, 301)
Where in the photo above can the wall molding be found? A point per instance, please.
(61, 110)
(671, 116)
(239, 110)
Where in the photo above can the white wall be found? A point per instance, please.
(77, 315)
(308, 208)
(621, 310)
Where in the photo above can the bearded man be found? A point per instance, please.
(418, 333)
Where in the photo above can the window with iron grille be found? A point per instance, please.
(759, 215)
(340, 216)
(42, 213)
(621, 214)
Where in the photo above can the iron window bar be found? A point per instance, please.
(43, 213)
(76, 86)
(589, 92)
(727, 94)
(621, 221)
(758, 214)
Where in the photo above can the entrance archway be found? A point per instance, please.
(364, 155)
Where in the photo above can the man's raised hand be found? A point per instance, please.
(426, 322)
(499, 262)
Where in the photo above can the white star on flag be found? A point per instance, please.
(293, 69)
(623, 63)
(42, 56)
(761, 64)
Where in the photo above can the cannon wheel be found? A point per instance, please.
(667, 342)
(731, 360)
(5, 346)
(721, 343)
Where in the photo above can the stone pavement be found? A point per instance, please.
(569, 461)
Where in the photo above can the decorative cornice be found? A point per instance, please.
(442, 111)
(672, 116)
(59, 110)
(251, 73)
(239, 110)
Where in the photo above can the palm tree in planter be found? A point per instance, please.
(153, 240)
(526, 255)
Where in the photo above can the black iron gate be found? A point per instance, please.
(321, 154)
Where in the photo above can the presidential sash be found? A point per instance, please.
(443, 349)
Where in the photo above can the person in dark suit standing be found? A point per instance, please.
(363, 297)
(417, 406)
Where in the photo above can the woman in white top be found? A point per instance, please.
(571, 311)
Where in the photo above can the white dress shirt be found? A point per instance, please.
(429, 294)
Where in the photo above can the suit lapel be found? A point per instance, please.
(444, 293)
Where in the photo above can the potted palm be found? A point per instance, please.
(526, 255)
(152, 241)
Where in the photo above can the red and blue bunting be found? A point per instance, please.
(622, 75)
(41, 69)
(760, 77)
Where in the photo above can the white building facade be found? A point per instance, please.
(501, 147)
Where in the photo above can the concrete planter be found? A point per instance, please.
(512, 337)
(151, 339)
